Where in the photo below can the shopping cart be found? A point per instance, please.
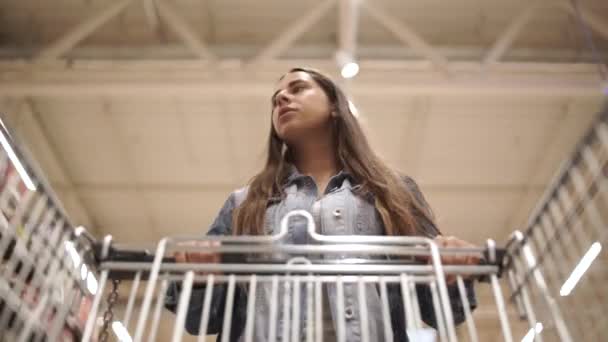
(295, 275)
(60, 283)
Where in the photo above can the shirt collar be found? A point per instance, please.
(294, 175)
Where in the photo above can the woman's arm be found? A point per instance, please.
(427, 311)
(222, 225)
(423, 291)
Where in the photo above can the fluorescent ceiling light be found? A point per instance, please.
(350, 70)
(27, 180)
(348, 67)
(580, 269)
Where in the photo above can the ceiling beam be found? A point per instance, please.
(400, 52)
(292, 33)
(182, 29)
(407, 35)
(515, 27)
(151, 13)
(188, 79)
(348, 19)
(508, 36)
(595, 23)
(83, 30)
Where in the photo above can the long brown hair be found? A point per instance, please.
(400, 209)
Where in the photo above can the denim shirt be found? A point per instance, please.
(340, 211)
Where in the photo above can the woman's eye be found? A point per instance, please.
(297, 89)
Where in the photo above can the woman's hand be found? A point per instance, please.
(456, 259)
(198, 257)
(454, 242)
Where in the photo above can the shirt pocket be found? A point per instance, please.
(368, 220)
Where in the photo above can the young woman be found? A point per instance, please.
(319, 160)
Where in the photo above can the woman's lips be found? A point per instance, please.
(286, 115)
(285, 110)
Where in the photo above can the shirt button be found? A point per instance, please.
(349, 313)
(337, 213)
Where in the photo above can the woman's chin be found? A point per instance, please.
(290, 133)
(287, 128)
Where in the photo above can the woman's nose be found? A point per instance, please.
(282, 98)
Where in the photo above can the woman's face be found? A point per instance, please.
(299, 107)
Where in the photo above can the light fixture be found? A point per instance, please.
(350, 70)
(121, 332)
(92, 283)
(348, 66)
(538, 328)
(27, 180)
(580, 269)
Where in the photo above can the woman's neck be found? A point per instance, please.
(318, 159)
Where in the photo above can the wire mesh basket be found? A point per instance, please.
(349, 271)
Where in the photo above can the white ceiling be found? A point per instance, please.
(162, 167)
(238, 23)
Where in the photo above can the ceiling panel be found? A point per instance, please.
(472, 214)
(80, 129)
(167, 142)
(185, 212)
(26, 127)
(207, 129)
(487, 141)
(386, 122)
(120, 212)
(572, 127)
(249, 129)
(462, 23)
